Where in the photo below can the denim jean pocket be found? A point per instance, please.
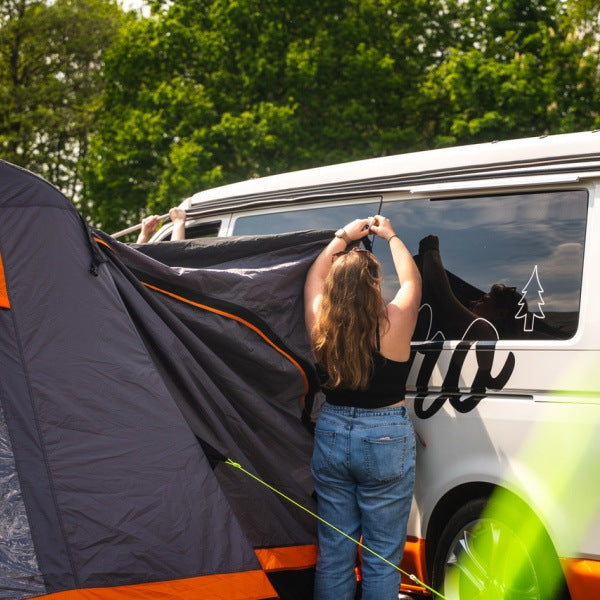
(324, 446)
(385, 457)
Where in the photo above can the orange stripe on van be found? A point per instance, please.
(4, 301)
(583, 577)
(239, 320)
(287, 558)
(249, 585)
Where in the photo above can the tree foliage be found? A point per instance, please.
(522, 68)
(205, 92)
(50, 59)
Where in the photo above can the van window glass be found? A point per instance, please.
(495, 267)
(201, 230)
(324, 217)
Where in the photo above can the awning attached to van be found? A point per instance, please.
(128, 376)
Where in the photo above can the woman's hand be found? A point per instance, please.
(149, 225)
(382, 226)
(177, 215)
(357, 229)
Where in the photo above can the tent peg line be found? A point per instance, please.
(411, 576)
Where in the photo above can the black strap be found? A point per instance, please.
(98, 257)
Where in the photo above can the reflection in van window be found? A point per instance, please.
(497, 267)
(323, 217)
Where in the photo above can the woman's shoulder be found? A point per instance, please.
(395, 336)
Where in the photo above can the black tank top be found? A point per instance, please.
(387, 386)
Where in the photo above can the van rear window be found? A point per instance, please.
(494, 267)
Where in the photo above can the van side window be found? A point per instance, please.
(331, 216)
(495, 267)
(201, 230)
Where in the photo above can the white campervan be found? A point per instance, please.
(505, 379)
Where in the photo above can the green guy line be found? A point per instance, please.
(358, 543)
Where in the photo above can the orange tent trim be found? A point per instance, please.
(249, 585)
(4, 301)
(101, 241)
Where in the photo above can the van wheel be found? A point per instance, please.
(504, 554)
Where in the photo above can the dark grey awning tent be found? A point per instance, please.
(127, 377)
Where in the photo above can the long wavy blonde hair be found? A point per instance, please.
(345, 332)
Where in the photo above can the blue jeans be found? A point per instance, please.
(363, 466)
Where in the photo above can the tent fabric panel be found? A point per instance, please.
(21, 188)
(246, 585)
(259, 279)
(263, 274)
(30, 463)
(251, 380)
(249, 408)
(251, 416)
(203, 253)
(126, 468)
(4, 301)
(244, 322)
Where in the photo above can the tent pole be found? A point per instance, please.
(134, 228)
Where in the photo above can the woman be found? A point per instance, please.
(364, 455)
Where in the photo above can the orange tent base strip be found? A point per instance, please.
(249, 585)
(289, 558)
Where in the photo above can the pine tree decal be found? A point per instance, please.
(530, 316)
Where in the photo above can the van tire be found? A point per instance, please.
(507, 567)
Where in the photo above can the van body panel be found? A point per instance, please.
(566, 370)
(525, 446)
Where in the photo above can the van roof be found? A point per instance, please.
(564, 153)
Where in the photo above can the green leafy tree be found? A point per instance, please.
(174, 118)
(50, 59)
(521, 68)
(580, 106)
(205, 93)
